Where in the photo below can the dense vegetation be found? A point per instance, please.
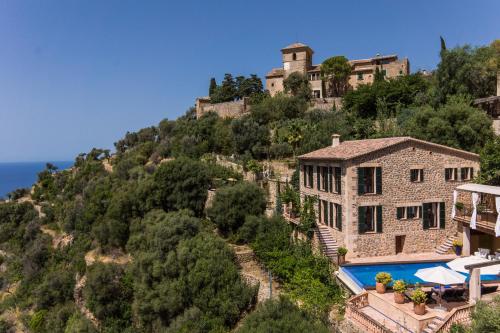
(170, 268)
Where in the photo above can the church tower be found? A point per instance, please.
(297, 57)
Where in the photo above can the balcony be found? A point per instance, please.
(485, 220)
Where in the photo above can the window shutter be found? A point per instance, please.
(425, 215)
(331, 215)
(338, 180)
(361, 181)
(463, 173)
(330, 179)
(447, 174)
(310, 175)
(413, 176)
(339, 217)
(399, 213)
(422, 175)
(318, 177)
(471, 173)
(304, 175)
(319, 211)
(379, 219)
(442, 215)
(361, 220)
(378, 172)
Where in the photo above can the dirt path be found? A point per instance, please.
(80, 302)
(114, 257)
(59, 239)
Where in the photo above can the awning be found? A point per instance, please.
(494, 190)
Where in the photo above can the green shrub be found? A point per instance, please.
(342, 251)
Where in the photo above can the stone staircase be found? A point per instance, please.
(431, 328)
(328, 244)
(446, 246)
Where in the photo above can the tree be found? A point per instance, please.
(226, 92)
(298, 86)
(280, 315)
(213, 87)
(490, 163)
(232, 203)
(182, 184)
(335, 72)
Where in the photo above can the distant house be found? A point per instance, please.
(386, 196)
(297, 57)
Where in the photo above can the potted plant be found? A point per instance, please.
(382, 279)
(399, 288)
(459, 206)
(418, 298)
(341, 252)
(457, 244)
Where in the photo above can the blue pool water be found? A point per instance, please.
(364, 275)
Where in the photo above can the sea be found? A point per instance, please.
(14, 175)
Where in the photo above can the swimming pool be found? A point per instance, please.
(364, 275)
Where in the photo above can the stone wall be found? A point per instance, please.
(224, 110)
(326, 104)
(397, 190)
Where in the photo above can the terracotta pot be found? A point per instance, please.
(419, 309)
(380, 287)
(399, 298)
(341, 260)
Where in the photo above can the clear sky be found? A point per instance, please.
(79, 74)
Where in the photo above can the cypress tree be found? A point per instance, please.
(213, 86)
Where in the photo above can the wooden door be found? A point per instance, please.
(400, 242)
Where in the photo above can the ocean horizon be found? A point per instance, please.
(14, 175)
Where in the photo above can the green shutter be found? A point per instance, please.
(318, 177)
(310, 175)
(361, 181)
(319, 211)
(442, 215)
(425, 215)
(422, 175)
(463, 173)
(378, 172)
(304, 175)
(361, 220)
(330, 179)
(338, 180)
(339, 217)
(331, 215)
(399, 213)
(379, 219)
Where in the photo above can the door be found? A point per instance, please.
(400, 243)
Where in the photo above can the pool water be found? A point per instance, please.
(364, 275)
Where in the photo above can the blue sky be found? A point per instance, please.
(79, 74)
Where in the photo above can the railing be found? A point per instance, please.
(359, 318)
(460, 315)
(486, 218)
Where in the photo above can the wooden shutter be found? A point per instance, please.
(361, 181)
(310, 175)
(330, 179)
(442, 215)
(447, 173)
(339, 216)
(318, 177)
(379, 219)
(378, 172)
(338, 180)
(361, 220)
(425, 215)
(399, 213)
(331, 215)
(319, 211)
(413, 175)
(421, 175)
(304, 175)
(463, 173)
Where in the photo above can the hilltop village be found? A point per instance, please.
(347, 196)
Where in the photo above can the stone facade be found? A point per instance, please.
(397, 190)
(224, 110)
(298, 58)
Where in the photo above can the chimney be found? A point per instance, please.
(335, 140)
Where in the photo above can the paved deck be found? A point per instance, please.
(402, 257)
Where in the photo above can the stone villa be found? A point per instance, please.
(385, 196)
(297, 57)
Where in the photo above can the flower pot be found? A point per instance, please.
(419, 309)
(458, 250)
(341, 259)
(399, 298)
(380, 287)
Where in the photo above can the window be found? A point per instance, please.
(433, 215)
(294, 56)
(384, 72)
(360, 76)
(416, 175)
(467, 173)
(369, 219)
(400, 72)
(316, 94)
(272, 84)
(409, 212)
(370, 180)
(337, 172)
(450, 174)
(308, 176)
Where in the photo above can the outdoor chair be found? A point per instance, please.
(488, 289)
(453, 294)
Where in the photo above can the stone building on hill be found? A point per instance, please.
(298, 57)
(385, 196)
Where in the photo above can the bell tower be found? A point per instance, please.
(296, 57)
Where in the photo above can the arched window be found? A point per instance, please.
(294, 56)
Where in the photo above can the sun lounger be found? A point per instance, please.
(488, 289)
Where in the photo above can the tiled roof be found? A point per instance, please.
(295, 46)
(350, 149)
(275, 72)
